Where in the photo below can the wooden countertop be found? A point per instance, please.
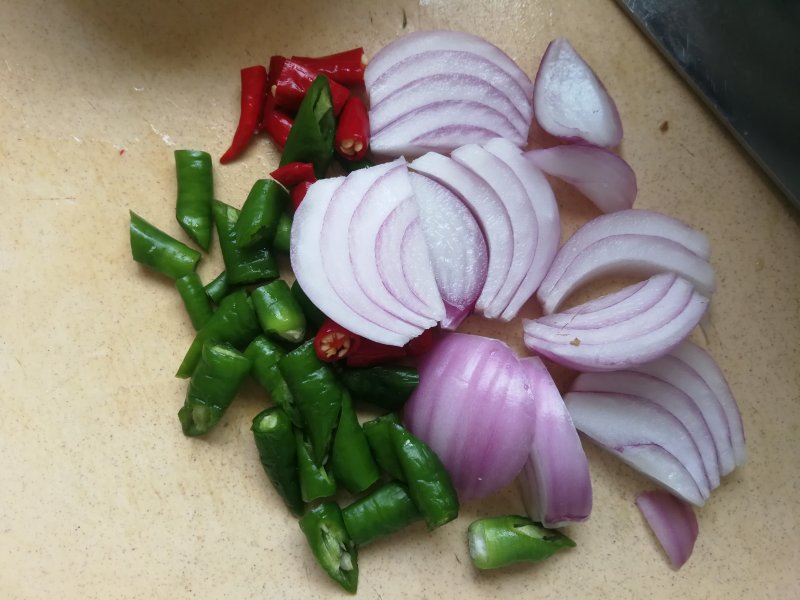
(101, 495)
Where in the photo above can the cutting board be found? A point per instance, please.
(101, 496)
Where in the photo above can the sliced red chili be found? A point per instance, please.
(276, 123)
(333, 341)
(346, 67)
(299, 192)
(352, 132)
(254, 87)
(291, 174)
(292, 82)
(372, 353)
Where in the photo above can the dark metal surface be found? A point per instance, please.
(743, 58)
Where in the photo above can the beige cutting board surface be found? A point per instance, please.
(101, 496)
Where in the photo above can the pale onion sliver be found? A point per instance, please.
(673, 522)
(414, 252)
(603, 302)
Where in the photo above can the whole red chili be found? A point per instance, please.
(276, 123)
(292, 82)
(333, 341)
(291, 174)
(346, 67)
(254, 87)
(299, 192)
(352, 132)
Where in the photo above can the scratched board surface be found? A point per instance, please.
(102, 497)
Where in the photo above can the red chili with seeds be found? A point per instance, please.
(352, 132)
(254, 87)
(298, 193)
(292, 82)
(333, 341)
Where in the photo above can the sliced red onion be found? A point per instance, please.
(524, 227)
(673, 521)
(488, 210)
(310, 272)
(413, 252)
(705, 366)
(570, 102)
(676, 372)
(555, 483)
(474, 408)
(667, 397)
(456, 245)
(604, 302)
(624, 344)
(620, 423)
(602, 176)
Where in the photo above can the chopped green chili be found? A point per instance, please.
(279, 312)
(311, 136)
(314, 316)
(383, 512)
(315, 481)
(258, 220)
(265, 355)
(194, 299)
(331, 544)
(218, 288)
(250, 265)
(195, 192)
(351, 458)
(160, 251)
(272, 431)
(387, 387)
(283, 233)
(380, 442)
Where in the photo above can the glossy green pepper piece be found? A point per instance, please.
(380, 442)
(315, 481)
(214, 384)
(258, 220)
(265, 355)
(314, 316)
(311, 137)
(387, 387)
(272, 431)
(160, 251)
(331, 544)
(351, 458)
(283, 233)
(382, 512)
(218, 288)
(194, 299)
(195, 192)
(242, 265)
(499, 541)
(278, 311)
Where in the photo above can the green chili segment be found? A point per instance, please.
(383, 512)
(234, 322)
(242, 265)
(275, 441)
(499, 541)
(160, 251)
(315, 481)
(278, 312)
(380, 442)
(258, 220)
(311, 137)
(283, 233)
(428, 483)
(351, 458)
(387, 387)
(314, 316)
(265, 355)
(218, 288)
(214, 384)
(331, 544)
(317, 393)
(194, 299)
(195, 192)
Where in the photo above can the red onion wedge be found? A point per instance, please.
(673, 521)
(488, 210)
(456, 245)
(474, 408)
(644, 436)
(600, 175)
(647, 333)
(705, 366)
(555, 483)
(667, 397)
(570, 102)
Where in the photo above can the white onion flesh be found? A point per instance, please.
(673, 522)
(570, 102)
(600, 175)
(634, 430)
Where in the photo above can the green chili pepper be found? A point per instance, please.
(265, 355)
(351, 458)
(331, 544)
(258, 220)
(242, 265)
(314, 316)
(499, 541)
(160, 251)
(275, 441)
(311, 137)
(317, 394)
(214, 384)
(315, 481)
(381, 513)
(218, 288)
(428, 483)
(194, 299)
(278, 312)
(195, 192)
(283, 233)
(233, 322)
(380, 442)
(354, 165)
(387, 387)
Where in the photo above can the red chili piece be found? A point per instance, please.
(370, 353)
(346, 67)
(254, 87)
(333, 341)
(299, 192)
(292, 82)
(420, 344)
(293, 173)
(276, 123)
(352, 132)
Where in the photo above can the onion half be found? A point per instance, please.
(673, 522)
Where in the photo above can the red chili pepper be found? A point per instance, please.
(346, 67)
(333, 341)
(276, 123)
(275, 65)
(292, 82)
(293, 173)
(299, 192)
(420, 344)
(352, 132)
(254, 88)
(369, 353)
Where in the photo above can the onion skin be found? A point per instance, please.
(672, 521)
